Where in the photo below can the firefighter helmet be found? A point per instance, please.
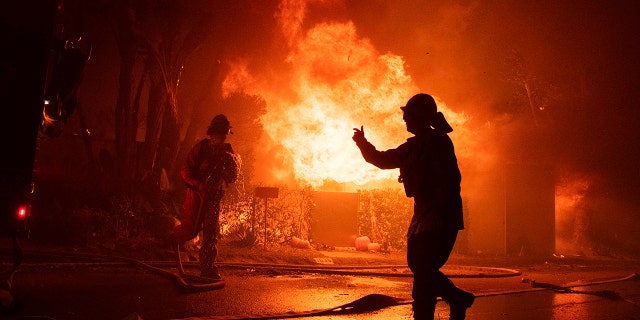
(219, 125)
(421, 105)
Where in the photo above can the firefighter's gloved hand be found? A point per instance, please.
(221, 150)
(358, 135)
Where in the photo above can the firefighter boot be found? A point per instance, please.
(459, 303)
(424, 310)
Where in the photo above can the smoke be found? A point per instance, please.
(549, 83)
(545, 82)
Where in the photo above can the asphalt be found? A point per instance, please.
(555, 269)
(499, 282)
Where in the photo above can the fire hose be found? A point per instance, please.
(183, 283)
(368, 303)
(157, 268)
(374, 302)
(211, 195)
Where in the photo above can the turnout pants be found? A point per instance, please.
(427, 252)
(199, 216)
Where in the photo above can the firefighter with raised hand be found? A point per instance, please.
(430, 175)
(210, 166)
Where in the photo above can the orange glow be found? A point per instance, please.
(571, 219)
(339, 81)
(569, 195)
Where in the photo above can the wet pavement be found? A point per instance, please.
(561, 289)
(65, 291)
(537, 305)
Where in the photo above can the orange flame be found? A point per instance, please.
(340, 82)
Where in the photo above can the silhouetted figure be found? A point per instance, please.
(430, 174)
(210, 166)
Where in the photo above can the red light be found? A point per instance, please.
(22, 212)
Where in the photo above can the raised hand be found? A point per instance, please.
(358, 134)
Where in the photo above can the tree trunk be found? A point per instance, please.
(124, 139)
(88, 146)
(169, 138)
(125, 125)
(155, 108)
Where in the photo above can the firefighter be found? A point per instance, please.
(210, 166)
(430, 175)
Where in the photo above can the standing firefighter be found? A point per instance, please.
(430, 174)
(210, 166)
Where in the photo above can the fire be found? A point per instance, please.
(571, 217)
(569, 195)
(339, 81)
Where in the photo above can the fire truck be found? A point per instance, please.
(40, 71)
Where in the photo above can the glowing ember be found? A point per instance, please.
(339, 81)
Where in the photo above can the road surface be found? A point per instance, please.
(116, 291)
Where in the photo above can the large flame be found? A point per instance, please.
(340, 81)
